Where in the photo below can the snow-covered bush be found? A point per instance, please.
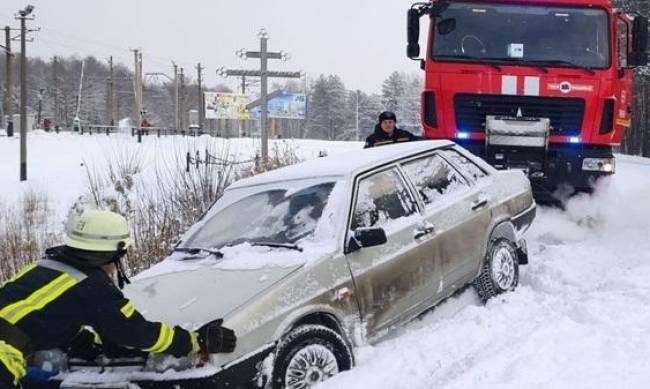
(163, 205)
(25, 231)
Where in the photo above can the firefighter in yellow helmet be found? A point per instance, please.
(47, 304)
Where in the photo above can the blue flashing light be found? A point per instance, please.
(462, 135)
(574, 139)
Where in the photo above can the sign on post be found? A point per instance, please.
(285, 106)
(226, 106)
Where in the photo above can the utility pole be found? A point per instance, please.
(9, 94)
(40, 106)
(55, 91)
(199, 70)
(263, 55)
(176, 107)
(23, 16)
(110, 98)
(181, 78)
(138, 89)
(356, 116)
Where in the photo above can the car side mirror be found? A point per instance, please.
(639, 54)
(413, 33)
(367, 237)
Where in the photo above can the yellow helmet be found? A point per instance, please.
(97, 231)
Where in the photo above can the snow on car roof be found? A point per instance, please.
(342, 164)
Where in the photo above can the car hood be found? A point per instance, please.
(192, 297)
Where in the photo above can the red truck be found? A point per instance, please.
(545, 86)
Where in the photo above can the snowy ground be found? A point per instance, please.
(580, 318)
(57, 162)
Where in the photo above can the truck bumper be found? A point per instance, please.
(557, 167)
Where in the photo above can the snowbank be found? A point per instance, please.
(578, 320)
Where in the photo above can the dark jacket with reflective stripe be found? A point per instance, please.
(379, 137)
(51, 305)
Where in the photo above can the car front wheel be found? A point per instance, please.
(309, 355)
(500, 271)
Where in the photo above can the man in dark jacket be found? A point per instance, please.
(48, 304)
(386, 132)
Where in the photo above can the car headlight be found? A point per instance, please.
(605, 165)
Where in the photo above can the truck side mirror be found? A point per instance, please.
(413, 33)
(639, 54)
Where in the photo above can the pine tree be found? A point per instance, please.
(392, 90)
(328, 108)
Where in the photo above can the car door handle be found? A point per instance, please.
(423, 231)
(480, 202)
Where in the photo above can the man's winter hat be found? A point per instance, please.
(99, 231)
(387, 115)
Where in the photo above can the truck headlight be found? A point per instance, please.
(604, 165)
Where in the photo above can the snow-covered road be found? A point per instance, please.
(580, 318)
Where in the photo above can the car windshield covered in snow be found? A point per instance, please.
(275, 216)
(505, 33)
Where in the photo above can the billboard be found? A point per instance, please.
(286, 106)
(226, 106)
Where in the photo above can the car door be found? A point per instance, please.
(450, 207)
(387, 277)
(480, 200)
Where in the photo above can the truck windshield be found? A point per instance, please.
(533, 35)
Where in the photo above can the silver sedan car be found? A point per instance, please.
(309, 261)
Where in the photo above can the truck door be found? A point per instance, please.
(622, 115)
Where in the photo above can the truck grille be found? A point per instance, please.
(566, 114)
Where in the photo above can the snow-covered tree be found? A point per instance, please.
(328, 108)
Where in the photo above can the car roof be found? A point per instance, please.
(343, 165)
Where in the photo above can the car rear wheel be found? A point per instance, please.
(500, 271)
(309, 355)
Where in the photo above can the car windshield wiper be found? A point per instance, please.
(197, 250)
(290, 246)
(469, 58)
(565, 63)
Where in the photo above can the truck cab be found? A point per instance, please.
(545, 86)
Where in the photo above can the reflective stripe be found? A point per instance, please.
(38, 299)
(98, 237)
(21, 273)
(128, 310)
(63, 268)
(165, 340)
(13, 361)
(383, 142)
(194, 338)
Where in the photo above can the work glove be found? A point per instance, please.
(83, 346)
(213, 338)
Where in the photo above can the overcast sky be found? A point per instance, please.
(361, 40)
